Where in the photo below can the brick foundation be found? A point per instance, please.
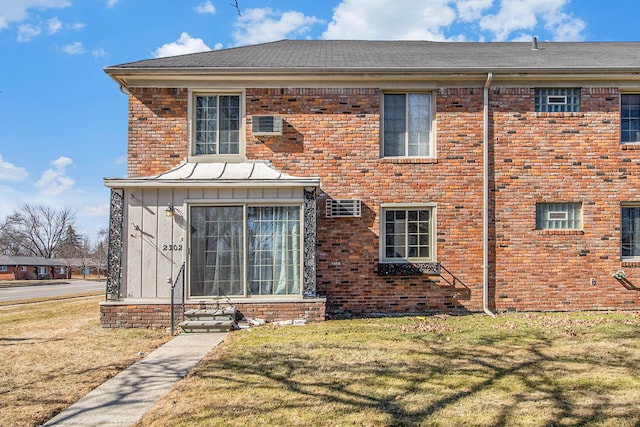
(158, 315)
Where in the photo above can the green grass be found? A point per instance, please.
(517, 369)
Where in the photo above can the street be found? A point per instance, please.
(14, 293)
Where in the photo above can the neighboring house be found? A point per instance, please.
(300, 179)
(31, 268)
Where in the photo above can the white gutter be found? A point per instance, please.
(485, 231)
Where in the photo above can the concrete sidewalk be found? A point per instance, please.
(125, 398)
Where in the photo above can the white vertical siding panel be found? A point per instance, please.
(149, 243)
(133, 237)
(166, 255)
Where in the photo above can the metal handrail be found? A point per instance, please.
(173, 287)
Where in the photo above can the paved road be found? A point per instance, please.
(40, 291)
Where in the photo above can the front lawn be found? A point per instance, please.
(531, 369)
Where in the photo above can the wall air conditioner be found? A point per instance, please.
(344, 208)
(266, 125)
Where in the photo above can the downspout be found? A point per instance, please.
(485, 225)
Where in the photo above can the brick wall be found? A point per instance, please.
(123, 315)
(157, 130)
(560, 157)
(334, 134)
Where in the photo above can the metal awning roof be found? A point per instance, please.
(189, 174)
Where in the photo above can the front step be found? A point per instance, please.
(207, 325)
(210, 320)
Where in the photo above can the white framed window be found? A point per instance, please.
(629, 118)
(23, 268)
(216, 129)
(557, 100)
(407, 233)
(42, 271)
(407, 129)
(245, 250)
(3, 268)
(630, 232)
(558, 216)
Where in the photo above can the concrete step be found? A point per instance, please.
(207, 325)
(221, 314)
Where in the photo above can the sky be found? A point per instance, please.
(63, 121)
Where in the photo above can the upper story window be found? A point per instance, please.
(407, 129)
(557, 100)
(558, 216)
(216, 125)
(630, 118)
(407, 234)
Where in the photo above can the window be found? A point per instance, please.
(3, 268)
(407, 234)
(23, 268)
(245, 250)
(42, 271)
(557, 100)
(558, 216)
(630, 118)
(630, 232)
(407, 125)
(216, 125)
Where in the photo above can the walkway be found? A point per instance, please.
(124, 399)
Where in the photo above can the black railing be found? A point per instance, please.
(179, 279)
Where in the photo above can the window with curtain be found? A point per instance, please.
(407, 125)
(266, 237)
(630, 232)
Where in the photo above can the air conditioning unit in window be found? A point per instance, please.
(266, 125)
(344, 208)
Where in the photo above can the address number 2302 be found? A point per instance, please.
(172, 248)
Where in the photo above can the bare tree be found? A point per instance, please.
(37, 230)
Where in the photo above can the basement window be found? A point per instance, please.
(557, 100)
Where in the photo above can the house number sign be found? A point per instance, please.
(172, 248)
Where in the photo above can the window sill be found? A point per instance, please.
(560, 232)
(410, 160)
(541, 114)
(409, 269)
(630, 145)
(212, 158)
(630, 263)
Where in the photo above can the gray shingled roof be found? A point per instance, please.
(394, 55)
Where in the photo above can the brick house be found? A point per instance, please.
(300, 179)
(31, 268)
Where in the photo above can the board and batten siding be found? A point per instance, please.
(157, 245)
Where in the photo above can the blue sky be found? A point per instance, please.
(63, 122)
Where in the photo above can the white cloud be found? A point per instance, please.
(54, 180)
(205, 8)
(112, 3)
(218, 46)
(385, 19)
(27, 31)
(75, 48)
(10, 172)
(96, 210)
(523, 15)
(53, 25)
(471, 10)
(264, 25)
(440, 20)
(185, 44)
(17, 10)
(76, 26)
(98, 53)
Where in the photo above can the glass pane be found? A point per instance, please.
(394, 124)
(274, 250)
(216, 251)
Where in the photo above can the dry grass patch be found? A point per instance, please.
(55, 352)
(518, 369)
